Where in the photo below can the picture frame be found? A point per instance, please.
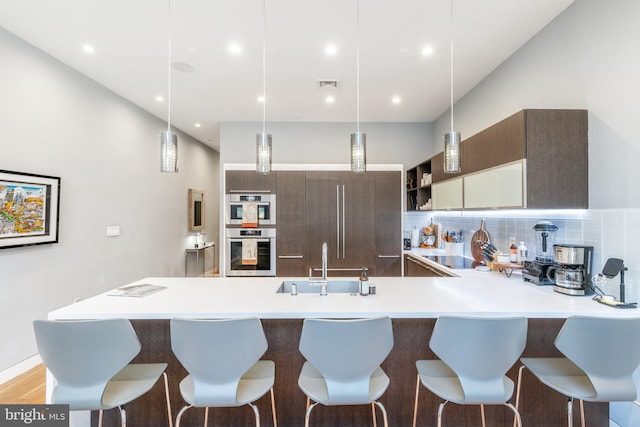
(196, 210)
(29, 209)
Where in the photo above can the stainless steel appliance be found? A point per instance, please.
(266, 204)
(572, 272)
(265, 240)
(536, 271)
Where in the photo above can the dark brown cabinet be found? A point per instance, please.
(388, 224)
(290, 223)
(359, 216)
(249, 180)
(413, 268)
(340, 210)
(553, 147)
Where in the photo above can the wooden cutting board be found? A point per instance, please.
(478, 238)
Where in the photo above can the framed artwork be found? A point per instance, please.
(196, 210)
(29, 209)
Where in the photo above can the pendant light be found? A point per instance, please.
(358, 139)
(168, 139)
(263, 139)
(452, 140)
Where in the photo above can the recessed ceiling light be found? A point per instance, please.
(396, 100)
(331, 49)
(330, 99)
(197, 125)
(88, 48)
(261, 98)
(427, 50)
(159, 98)
(235, 48)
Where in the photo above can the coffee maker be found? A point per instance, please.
(536, 271)
(572, 273)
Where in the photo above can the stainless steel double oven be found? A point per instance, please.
(262, 237)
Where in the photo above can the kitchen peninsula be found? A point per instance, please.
(412, 303)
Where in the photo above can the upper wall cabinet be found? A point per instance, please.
(552, 149)
(499, 187)
(246, 180)
(448, 195)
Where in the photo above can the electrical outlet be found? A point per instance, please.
(113, 230)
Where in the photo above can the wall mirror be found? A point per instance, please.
(196, 210)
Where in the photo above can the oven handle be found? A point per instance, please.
(240, 239)
(290, 256)
(250, 191)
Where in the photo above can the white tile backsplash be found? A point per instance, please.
(614, 233)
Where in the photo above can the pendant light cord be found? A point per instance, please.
(264, 67)
(358, 66)
(451, 58)
(169, 75)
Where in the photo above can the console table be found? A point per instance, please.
(200, 256)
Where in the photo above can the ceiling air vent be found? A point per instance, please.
(327, 84)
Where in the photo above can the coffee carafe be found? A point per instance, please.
(572, 274)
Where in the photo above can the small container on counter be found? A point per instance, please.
(523, 253)
(364, 282)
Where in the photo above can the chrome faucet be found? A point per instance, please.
(324, 261)
(322, 281)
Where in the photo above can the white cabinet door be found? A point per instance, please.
(447, 194)
(500, 187)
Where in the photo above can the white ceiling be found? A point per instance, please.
(131, 41)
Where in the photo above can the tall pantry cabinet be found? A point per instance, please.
(357, 215)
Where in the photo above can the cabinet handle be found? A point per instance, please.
(344, 226)
(389, 256)
(290, 256)
(337, 222)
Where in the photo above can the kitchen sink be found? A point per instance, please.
(333, 287)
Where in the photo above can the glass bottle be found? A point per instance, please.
(513, 250)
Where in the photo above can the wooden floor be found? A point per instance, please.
(28, 388)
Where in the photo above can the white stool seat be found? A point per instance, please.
(251, 387)
(562, 375)
(314, 385)
(443, 381)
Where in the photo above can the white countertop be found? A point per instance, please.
(474, 294)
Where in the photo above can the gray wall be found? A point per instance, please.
(54, 121)
(586, 58)
(328, 143)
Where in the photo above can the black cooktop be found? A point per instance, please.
(452, 261)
